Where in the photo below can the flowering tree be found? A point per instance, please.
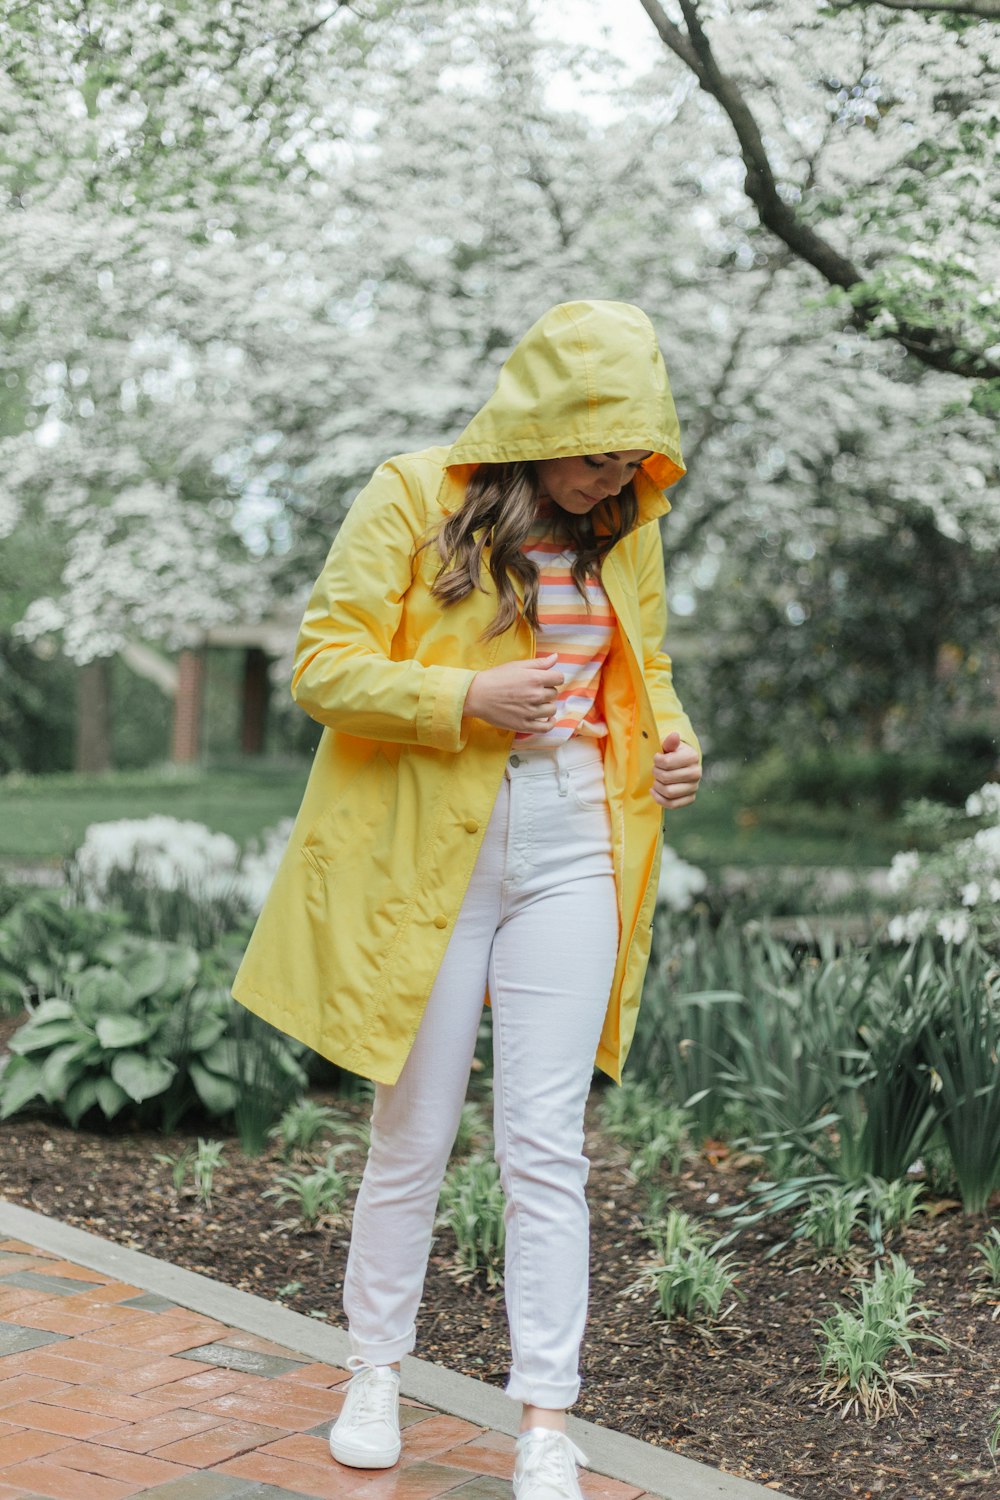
(867, 138)
(281, 242)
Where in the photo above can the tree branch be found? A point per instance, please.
(985, 10)
(932, 346)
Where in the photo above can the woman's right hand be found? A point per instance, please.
(519, 695)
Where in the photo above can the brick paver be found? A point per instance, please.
(134, 1395)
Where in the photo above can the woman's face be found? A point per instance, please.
(580, 483)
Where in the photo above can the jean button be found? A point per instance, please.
(515, 760)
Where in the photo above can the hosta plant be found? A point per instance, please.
(137, 1028)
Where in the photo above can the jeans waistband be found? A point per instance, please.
(542, 760)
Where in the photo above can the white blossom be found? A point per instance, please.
(953, 928)
(908, 926)
(161, 851)
(680, 882)
(902, 869)
(984, 802)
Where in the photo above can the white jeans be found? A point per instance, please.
(539, 924)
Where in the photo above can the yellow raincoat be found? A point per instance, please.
(348, 945)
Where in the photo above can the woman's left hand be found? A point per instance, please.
(676, 773)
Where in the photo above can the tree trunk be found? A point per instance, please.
(93, 716)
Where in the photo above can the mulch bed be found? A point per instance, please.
(742, 1396)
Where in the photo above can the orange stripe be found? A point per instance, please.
(563, 617)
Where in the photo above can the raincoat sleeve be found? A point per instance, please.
(657, 667)
(345, 676)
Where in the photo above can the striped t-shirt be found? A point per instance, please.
(581, 637)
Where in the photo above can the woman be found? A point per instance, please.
(484, 815)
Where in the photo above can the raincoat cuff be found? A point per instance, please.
(439, 713)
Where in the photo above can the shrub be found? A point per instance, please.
(841, 1066)
(954, 892)
(880, 780)
(472, 1207)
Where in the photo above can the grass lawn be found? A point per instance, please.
(43, 819)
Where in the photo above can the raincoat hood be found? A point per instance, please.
(587, 377)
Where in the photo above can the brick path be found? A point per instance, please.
(107, 1391)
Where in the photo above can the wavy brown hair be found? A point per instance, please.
(498, 511)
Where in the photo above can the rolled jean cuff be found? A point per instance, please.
(383, 1351)
(552, 1395)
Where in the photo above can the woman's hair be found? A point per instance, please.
(499, 510)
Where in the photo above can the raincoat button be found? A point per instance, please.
(440, 920)
(515, 760)
(471, 826)
(645, 734)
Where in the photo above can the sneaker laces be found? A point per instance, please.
(553, 1456)
(377, 1395)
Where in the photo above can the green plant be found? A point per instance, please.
(44, 940)
(178, 1165)
(304, 1124)
(830, 1216)
(472, 1129)
(472, 1207)
(672, 1232)
(207, 1160)
(634, 1115)
(856, 1347)
(961, 1047)
(318, 1195)
(993, 1436)
(139, 1027)
(989, 1249)
(891, 1206)
(690, 1279)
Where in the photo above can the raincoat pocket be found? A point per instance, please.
(350, 824)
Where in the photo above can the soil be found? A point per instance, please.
(742, 1395)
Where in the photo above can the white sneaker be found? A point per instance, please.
(366, 1434)
(546, 1466)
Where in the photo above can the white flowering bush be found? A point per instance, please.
(954, 892)
(680, 882)
(165, 854)
(159, 851)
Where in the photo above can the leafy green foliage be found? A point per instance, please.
(138, 1026)
(207, 1161)
(844, 1064)
(989, 1249)
(43, 939)
(856, 1347)
(318, 1195)
(473, 1130)
(306, 1123)
(659, 1130)
(690, 1279)
(472, 1207)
